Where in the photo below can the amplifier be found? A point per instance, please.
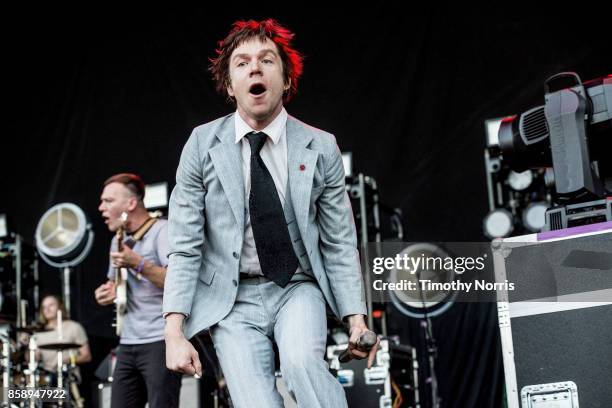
(190, 393)
(556, 325)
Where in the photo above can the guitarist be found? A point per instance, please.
(140, 374)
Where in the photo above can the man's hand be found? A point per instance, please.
(24, 338)
(105, 293)
(357, 327)
(125, 259)
(181, 356)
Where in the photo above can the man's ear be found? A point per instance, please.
(132, 203)
(229, 89)
(288, 85)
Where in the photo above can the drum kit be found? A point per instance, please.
(21, 368)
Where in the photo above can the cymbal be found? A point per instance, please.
(59, 346)
(32, 329)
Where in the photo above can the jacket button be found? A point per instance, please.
(235, 254)
(235, 282)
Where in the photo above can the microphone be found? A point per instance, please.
(365, 343)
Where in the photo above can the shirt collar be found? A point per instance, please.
(274, 130)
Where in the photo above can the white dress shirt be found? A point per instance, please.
(274, 156)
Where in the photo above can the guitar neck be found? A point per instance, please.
(119, 237)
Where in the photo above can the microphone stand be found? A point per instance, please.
(432, 349)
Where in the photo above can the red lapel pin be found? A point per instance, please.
(302, 167)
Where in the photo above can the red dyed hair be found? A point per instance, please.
(246, 30)
(132, 182)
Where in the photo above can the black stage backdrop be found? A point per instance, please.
(97, 92)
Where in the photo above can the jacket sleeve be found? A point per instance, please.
(338, 239)
(186, 222)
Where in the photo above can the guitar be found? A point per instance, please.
(121, 276)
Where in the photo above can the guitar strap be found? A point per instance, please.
(140, 233)
(137, 236)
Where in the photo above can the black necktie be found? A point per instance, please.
(276, 255)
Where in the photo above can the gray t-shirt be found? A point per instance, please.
(143, 321)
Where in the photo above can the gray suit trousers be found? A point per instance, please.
(295, 318)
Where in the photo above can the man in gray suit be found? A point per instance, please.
(262, 237)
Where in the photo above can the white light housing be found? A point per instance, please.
(492, 129)
(520, 181)
(3, 227)
(347, 161)
(498, 224)
(534, 216)
(156, 195)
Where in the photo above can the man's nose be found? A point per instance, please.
(255, 68)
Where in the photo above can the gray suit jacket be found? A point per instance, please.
(206, 222)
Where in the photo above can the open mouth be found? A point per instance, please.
(257, 89)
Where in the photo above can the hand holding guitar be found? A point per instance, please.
(126, 258)
(105, 294)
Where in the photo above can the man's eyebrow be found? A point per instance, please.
(237, 56)
(262, 52)
(268, 51)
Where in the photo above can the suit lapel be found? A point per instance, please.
(227, 160)
(301, 163)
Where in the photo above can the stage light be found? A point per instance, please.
(156, 195)
(534, 216)
(498, 223)
(63, 235)
(520, 181)
(420, 302)
(64, 238)
(564, 134)
(347, 162)
(3, 227)
(492, 131)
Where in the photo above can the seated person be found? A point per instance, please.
(72, 332)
